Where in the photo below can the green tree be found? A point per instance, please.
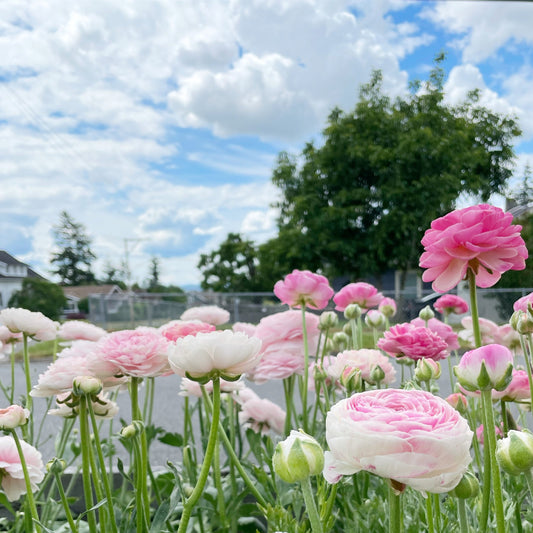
(113, 275)
(74, 259)
(40, 295)
(358, 204)
(232, 267)
(153, 282)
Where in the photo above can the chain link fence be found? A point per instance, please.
(130, 310)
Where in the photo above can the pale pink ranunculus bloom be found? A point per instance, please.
(450, 303)
(387, 306)
(78, 347)
(363, 294)
(365, 360)
(494, 357)
(8, 337)
(481, 237)
(212, 314)
(58, 376)
(509, 337)
(444, 331)
(522, 303)
(408, 340)
(13, 483)
(136, 352)
(103, 407)
(489, 332)
(79, 330)
(259, 414)
(244, 327)
(13, 416)
(517, 391)
(33, 323)
(480, 434)
(410, 436)
(282, 348)
(181, 328)
(302, 287)
(229, 353)
(188, 387)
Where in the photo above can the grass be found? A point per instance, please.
(39, 350)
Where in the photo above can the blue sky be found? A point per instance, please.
(160, 122)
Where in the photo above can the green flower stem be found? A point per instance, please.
(429, 514)
(221, 504)
(64, 502)
(27, 430)
(463, 523)
(29, 492)
(208, 457)
(12, 392)
(473, 306)
(142, 519)
(141, 467)
(490, 448)
(306, 372)
(395, 516)
(353, 329)
(310, 505)
(186, 416)
(528, 353)
(86, 468)
(529, 480)
(360, 332)
(288, 388)
(101, 461)
(483, 521)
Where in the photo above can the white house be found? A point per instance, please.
(12, 273)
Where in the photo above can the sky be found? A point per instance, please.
(157, 124)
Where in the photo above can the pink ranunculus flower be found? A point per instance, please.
(458, 401)
(245, 327)
(388, 307)
(13, 416)
(79, 330)
(410, 436)
(225, 352)
(365, 360)
(303, 287)
(481, 237)
(282, 348)
(181, 328)
(58, 377)
(488, 367)
(522, 303)
(480, 435)
(517, 391)
(363, 294)
(8, 337)
(212, 314)
(489, 332)
(507, 336)
(444, 331)
(408, 340)
(450, 303)
(34, 324)
(13, 483)
(259, 414)
(136, 352)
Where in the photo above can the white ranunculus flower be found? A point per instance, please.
(230, 353)
(32, 323)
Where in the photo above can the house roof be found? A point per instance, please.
(9, 260)
(80, 292)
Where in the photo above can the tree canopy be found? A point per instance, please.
(358, 204)
(74, 257)
(40, 295)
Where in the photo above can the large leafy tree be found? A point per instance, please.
(40, 295)
(358, 204)
(232, 267)
(74, 257)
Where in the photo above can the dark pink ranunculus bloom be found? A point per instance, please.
(517, 391)
(303, 287)
(522, 303)
(411, 436)
(363, 294)
(414, 342)
(450, 303)
(181, 328)
(481, 237)
(443, 330)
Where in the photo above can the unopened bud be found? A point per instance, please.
(427, 369)
(377, 374)
(132, 430)
(328, 320)
(468, 487)
(298, 457)
(340, 340)
(352, 312)
(375, 319)
(86, 386)
(458, 402)
(13, 416)
(351, 379)
(56, 466)
(388, 307)
(426, 313)
(347, 328)
(515, 453)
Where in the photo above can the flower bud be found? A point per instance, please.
(328, 320)
(468, 487)
(515, 317)
(426, 313)
(86, 386)
(352, 312)
(340, 340)
(427, 369)
(377, 374)
(132, 430)
(347, 328)
(351, 379)
(56, 466)
(298, 457)
(375, 319)
(388, 307)
(329, 346)
(515, 453)
(524, 324)
(458, 402)
(13, 416)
